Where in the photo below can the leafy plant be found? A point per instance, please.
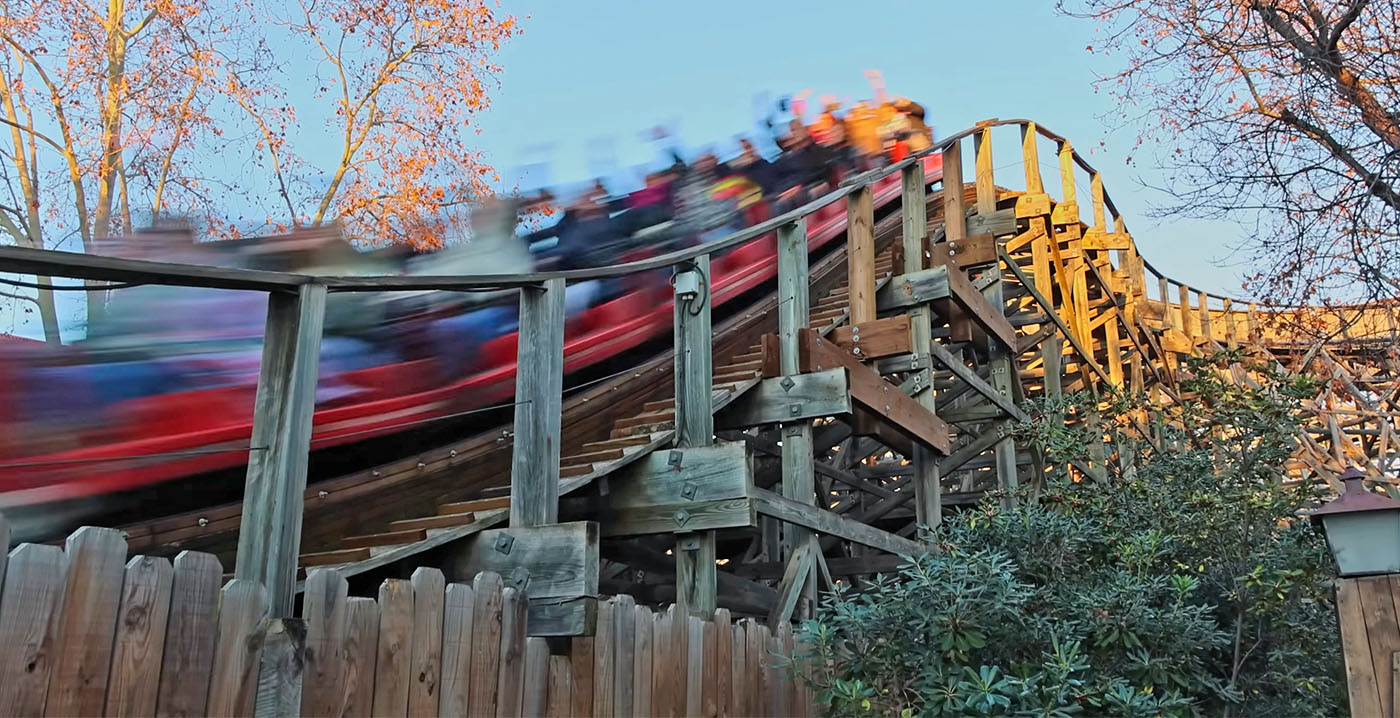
(1182, 586)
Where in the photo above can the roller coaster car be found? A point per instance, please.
(160, 437)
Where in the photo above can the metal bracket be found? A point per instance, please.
(504, 542)
(688, 490)
(675, 459)
(787, 383)
(519, 578)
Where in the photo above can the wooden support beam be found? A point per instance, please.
(986, 185)
(798, 481)
(854, 566)
(795, 576)
(692, 489)
(1046, 306)
(695, 426)
(555, 565)
(986, 316)
(539, 386)
(811, 517)
(789, 399)
(969, 375)
(890, 336)
(873, 392)
(269, 538)
(914, 287)
(954, 204)
(1004, 382)
(860, 254)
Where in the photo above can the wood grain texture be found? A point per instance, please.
(141, 622)
(191, 630)
(361, 652)
(487, 590)
(393, 666)
(243, 623)
(458, 614)
(510, 686)
(535, 682)
(29, 609)
(425, 676)
(560, 687)
(87, 625)
(326, 612)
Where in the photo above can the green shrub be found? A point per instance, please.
(1182, 585)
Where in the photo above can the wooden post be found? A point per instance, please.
(793, 316)
(539, 387)
(695, 426)
(954, 206)
(1001, 361)
(1184, 292)
(1205, 315)
(269, 536)
(986, 183)
(928, 493)
(860, 254)
(1031, 159)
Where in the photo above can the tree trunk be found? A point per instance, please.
(48, 313)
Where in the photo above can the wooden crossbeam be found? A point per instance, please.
(968, 375)
(873, 392)
(811, 517)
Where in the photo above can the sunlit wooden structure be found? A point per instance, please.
(799, 442)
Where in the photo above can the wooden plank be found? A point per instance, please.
(332, 558)
(539, 386)
(29, 608)
(87, 623)
(756, 635)
(793, 294)
(604, 665)
(827, 522)
(697, 584)
(1382, 630)
(457, 617)
(581, 676)
(535, 685)
(954, 203)
(694, 361)
(914, 287)
(694, 665)
(141, 621)
(703, 515)
(680, 476)
(554, 564)
(461, 507)
(393, 665)
(874, 339)
(487, 590)
(679, 638)
(971, 251)
(723, 663)
(426, 660)
(795, 576)
(280, 668)
(243, 622)
(987, 317)
(509, 696)
(787, 399)
(1362, 684)
(970, 377)
(771, 356)
(642, 666)
(663, 664)
(325, 610)
(361, 650)
(738, 670)
(624, 654)
(860, 254)
(986, 185)
(560, 687)
(275, 487)
(880, 396)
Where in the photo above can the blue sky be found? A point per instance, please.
(585, 79)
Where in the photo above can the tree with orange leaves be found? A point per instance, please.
(404, 79)
(97, 102)
(1280, 114)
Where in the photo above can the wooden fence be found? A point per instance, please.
(84, 631)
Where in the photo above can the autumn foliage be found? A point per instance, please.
(1280, 114)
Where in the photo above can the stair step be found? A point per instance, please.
(434, 522)
(566, 472)
(737, 375)
(458, 507)
(611, 443)
(331, 558)
(658, 405)
(392, 538)
(594, 456)
(643, 429)
(655, 417)
(495, 491)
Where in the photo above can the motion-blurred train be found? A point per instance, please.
(164, 388)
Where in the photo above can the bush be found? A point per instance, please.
(1182, 585)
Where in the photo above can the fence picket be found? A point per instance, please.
(536, 677)
(508, 692)
(189, 635)
(361, 653)
(29, 608)
(624, 654)
(486, 640)
(603, 666)
(87, 625)
(426, 675)
(243, 614)
(395, 653)
(642, 663)
(456, 650)
(560, 687)
(141, 623)
(325, 609)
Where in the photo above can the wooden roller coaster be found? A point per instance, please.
(806, 437)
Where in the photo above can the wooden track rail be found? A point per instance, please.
(805, 439)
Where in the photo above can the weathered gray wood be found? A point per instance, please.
(535, 685)
(539, 386)
(793, 299)
(681, 476)
(795, 576)
(1004, 383)
(243, 623)
(424, 688)
(696, 582)
(145, 606)
(624, 654)
(393, 666)
(827, 522)
(694, 363)
(792, 398)
(456, 649)
(87, 623)
(361, 649)
(969, 375)
(928, 487)
(487, 593)
(556, 565)
(695, 516)
(510, 683)
(269, 536)
(29, 606)
(914, 287)
(279, 669)
(325, 610)
(855, 566)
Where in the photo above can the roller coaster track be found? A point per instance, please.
(1029, 289)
